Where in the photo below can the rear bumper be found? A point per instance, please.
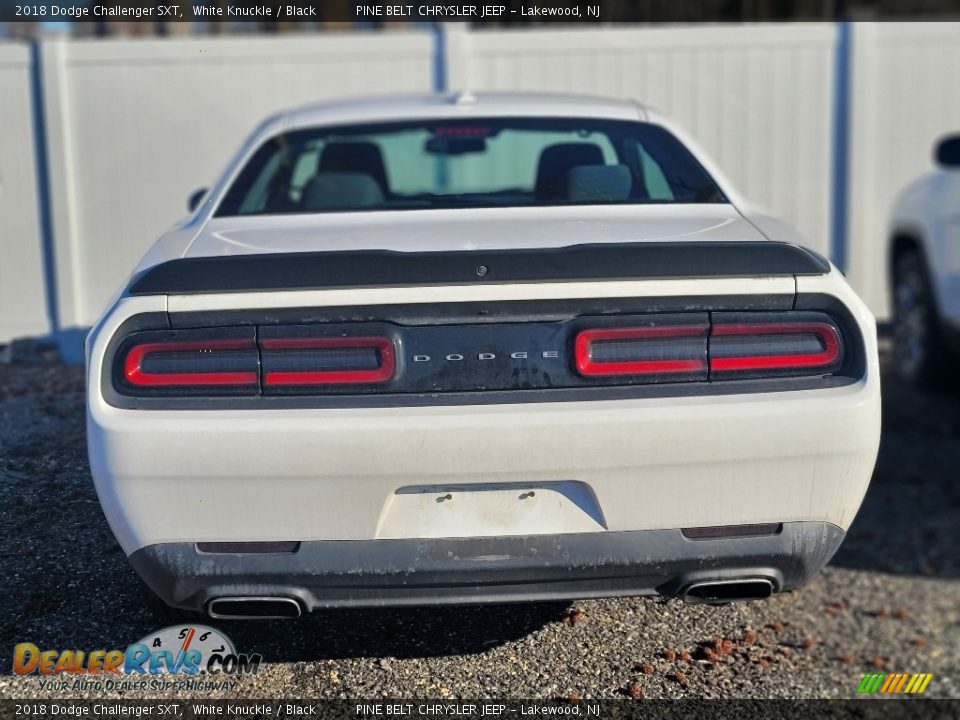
(379, 474)
(373, 573)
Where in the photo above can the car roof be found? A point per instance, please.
(460, 104)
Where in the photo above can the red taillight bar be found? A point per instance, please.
(826, 333)
(614, 350)
(587, 366)
(135, 376)
(384, 372)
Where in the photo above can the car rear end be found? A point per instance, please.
(275, 433)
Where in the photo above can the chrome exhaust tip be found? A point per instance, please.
(254, 608)
(719, 592)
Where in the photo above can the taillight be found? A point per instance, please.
(222, 361)
(691, 347)
(772, 345)
(417, 361)
(662, 349)
(294, 357)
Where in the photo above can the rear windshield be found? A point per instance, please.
(476, 163)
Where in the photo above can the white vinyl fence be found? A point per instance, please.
(130, 128)
(23, 309)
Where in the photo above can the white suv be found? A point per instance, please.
(925, 270)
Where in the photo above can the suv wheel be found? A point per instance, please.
(919, 355)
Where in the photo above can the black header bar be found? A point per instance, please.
(486, 709)
(279, 15)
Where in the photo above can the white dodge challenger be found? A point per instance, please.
(478, 348)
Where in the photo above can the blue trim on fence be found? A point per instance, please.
(839, 171)
(440, 85)
(439, 58)
(44, 208)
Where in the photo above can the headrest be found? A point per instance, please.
(340, 191)
(354, 157)
(556, 161)
(598, 183)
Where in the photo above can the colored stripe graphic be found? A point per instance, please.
(903, 681)
(894, 683)
(889, 682)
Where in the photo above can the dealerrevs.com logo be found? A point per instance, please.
(193, 657)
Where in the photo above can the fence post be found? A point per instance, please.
(439, 58)
(840, 148)
(60, 198)
(43, 189)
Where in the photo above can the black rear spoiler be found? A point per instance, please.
(387, 268)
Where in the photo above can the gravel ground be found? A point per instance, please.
(890, 600)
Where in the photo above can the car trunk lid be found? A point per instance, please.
(456, 230)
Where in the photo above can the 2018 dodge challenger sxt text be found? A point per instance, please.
(478, 348)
